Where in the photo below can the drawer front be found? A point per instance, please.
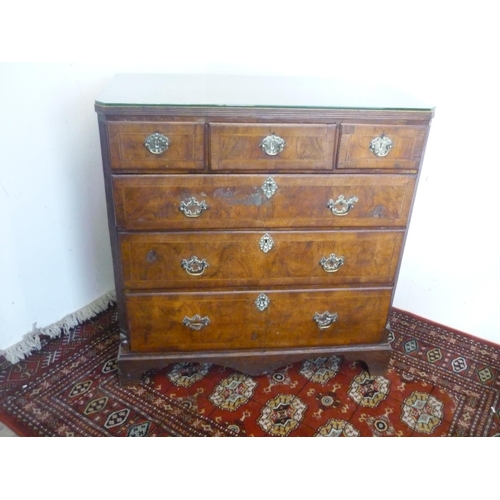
(215, 321)
(272, 147)
(128, 150)
(381, 147)
(221, 202)
(236, 259)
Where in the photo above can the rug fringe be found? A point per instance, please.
(31, 341)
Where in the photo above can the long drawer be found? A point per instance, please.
(244, 320)
(158, 202)
(234, 259)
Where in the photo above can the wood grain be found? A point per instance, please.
(156, 320)
(237, 201)
(237, 147)
(235, 259)
(215, 157)
(128, 153)
(406, 153)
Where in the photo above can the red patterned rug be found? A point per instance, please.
(440, 383)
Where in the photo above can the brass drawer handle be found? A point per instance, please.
(194, 266)
(341, 206)
(192, 207)
(332, 263)
(196, 322)
(325, 320)
(381, 145)
(157, 143)
(272, 145)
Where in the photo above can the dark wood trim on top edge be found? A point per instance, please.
(314, 115)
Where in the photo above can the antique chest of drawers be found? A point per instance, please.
(255, 222)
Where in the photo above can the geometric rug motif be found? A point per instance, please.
(282, 414)
(422, 412)
(440, 382)
(233, 391)
(186, 374)
(381, 426)
(369, 391)
(337, 428)
(321, 370)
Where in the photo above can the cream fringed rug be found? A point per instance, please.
(31, 341)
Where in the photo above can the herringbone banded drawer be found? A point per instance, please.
(225, 320)
(385, 147)
(128, 151)
(239, 146)
(155, 202)
(241, 258)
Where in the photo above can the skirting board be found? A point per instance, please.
(31, 341)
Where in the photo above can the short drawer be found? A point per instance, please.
(156, 146)
(398, 147)
(253, 201)
(267, 319)
(272, 147)
(240, 259)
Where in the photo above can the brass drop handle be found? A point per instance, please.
(196, 322)
(325, 320)
(194, 266)
(332, 263)
(381, 145)
(341, 206)
(272, 144)
(157, 143)
(192, 207)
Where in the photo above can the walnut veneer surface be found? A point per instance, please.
(256, 222)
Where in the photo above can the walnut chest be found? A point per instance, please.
(256, 222)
